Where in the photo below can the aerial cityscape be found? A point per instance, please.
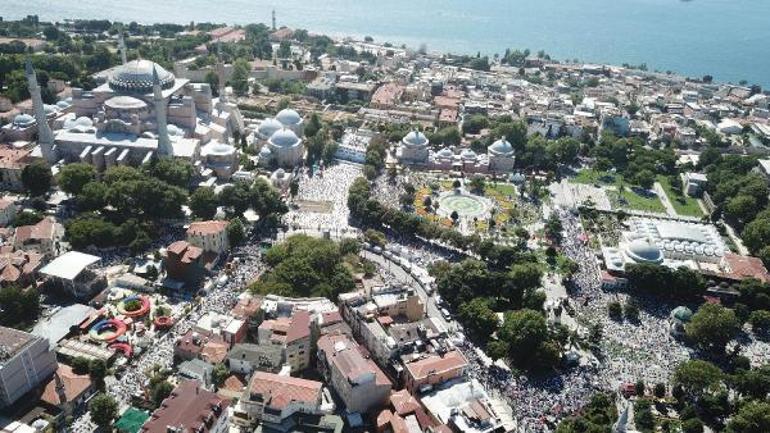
(211, 228)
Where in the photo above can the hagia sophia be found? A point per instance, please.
(142, 111)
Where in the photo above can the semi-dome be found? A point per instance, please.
(645, 251)
(268, 127)
(501, 147)
(284, 138)
(288, 117)
(124, 102)
(415, 139)
(216, 148)
(136, 76)
(23, 120)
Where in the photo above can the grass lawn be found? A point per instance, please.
(631, 200)
(591, 176)
(684, 205)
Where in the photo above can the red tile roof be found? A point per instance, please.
(206, 227)
(436, 364)
(742, 267)
(73, 386)
(278, 391)
(190, 407)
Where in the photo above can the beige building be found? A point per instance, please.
(292, 334)
(359, 382)
(434, 369)
(42, 238)
(270, 398)
(210, 236)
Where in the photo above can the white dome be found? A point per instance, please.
(289, 117)
(125, 103)
(415, 138)
(50, 109)
(644, 250)
(268, 127)
(501, 147)
(63, 104)
(445, 153)
(265, 152)
(284, 138)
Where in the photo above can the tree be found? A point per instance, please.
(645, 179)
(477, 184)
(219, 374)
(660, 390)
(235, 232)
(313, 125)
(713, 326)
(93, 196)
(697, 376)
(631, 311)
(97, 369)
(172, 171)
(643, 417)
(293, 188)
(753, 417)
(104, 410)
(27, 218)
(455, 216)
(692, 425)
(159, 391)
(213, 80)
(239, 79)
(36, 178)
(73, 177)
(615, 310)
(526, 332)
(204, 202)
(478, 318)
(19, 306)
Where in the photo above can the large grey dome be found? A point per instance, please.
(284, 138)
(288, 117)
(644, 251)
(415, 139)
(501, 147)
(268, 127)
(136, 76)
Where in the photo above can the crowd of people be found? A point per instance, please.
(321, 201)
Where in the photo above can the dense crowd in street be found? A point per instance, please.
(160, 355)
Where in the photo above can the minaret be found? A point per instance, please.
(122, 48)
(44, 133)
(274, 26)
(220, 74)
(165, 150)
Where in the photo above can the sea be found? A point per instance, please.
(727, 39)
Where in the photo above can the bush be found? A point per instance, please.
(615, 310)
(760, 321)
